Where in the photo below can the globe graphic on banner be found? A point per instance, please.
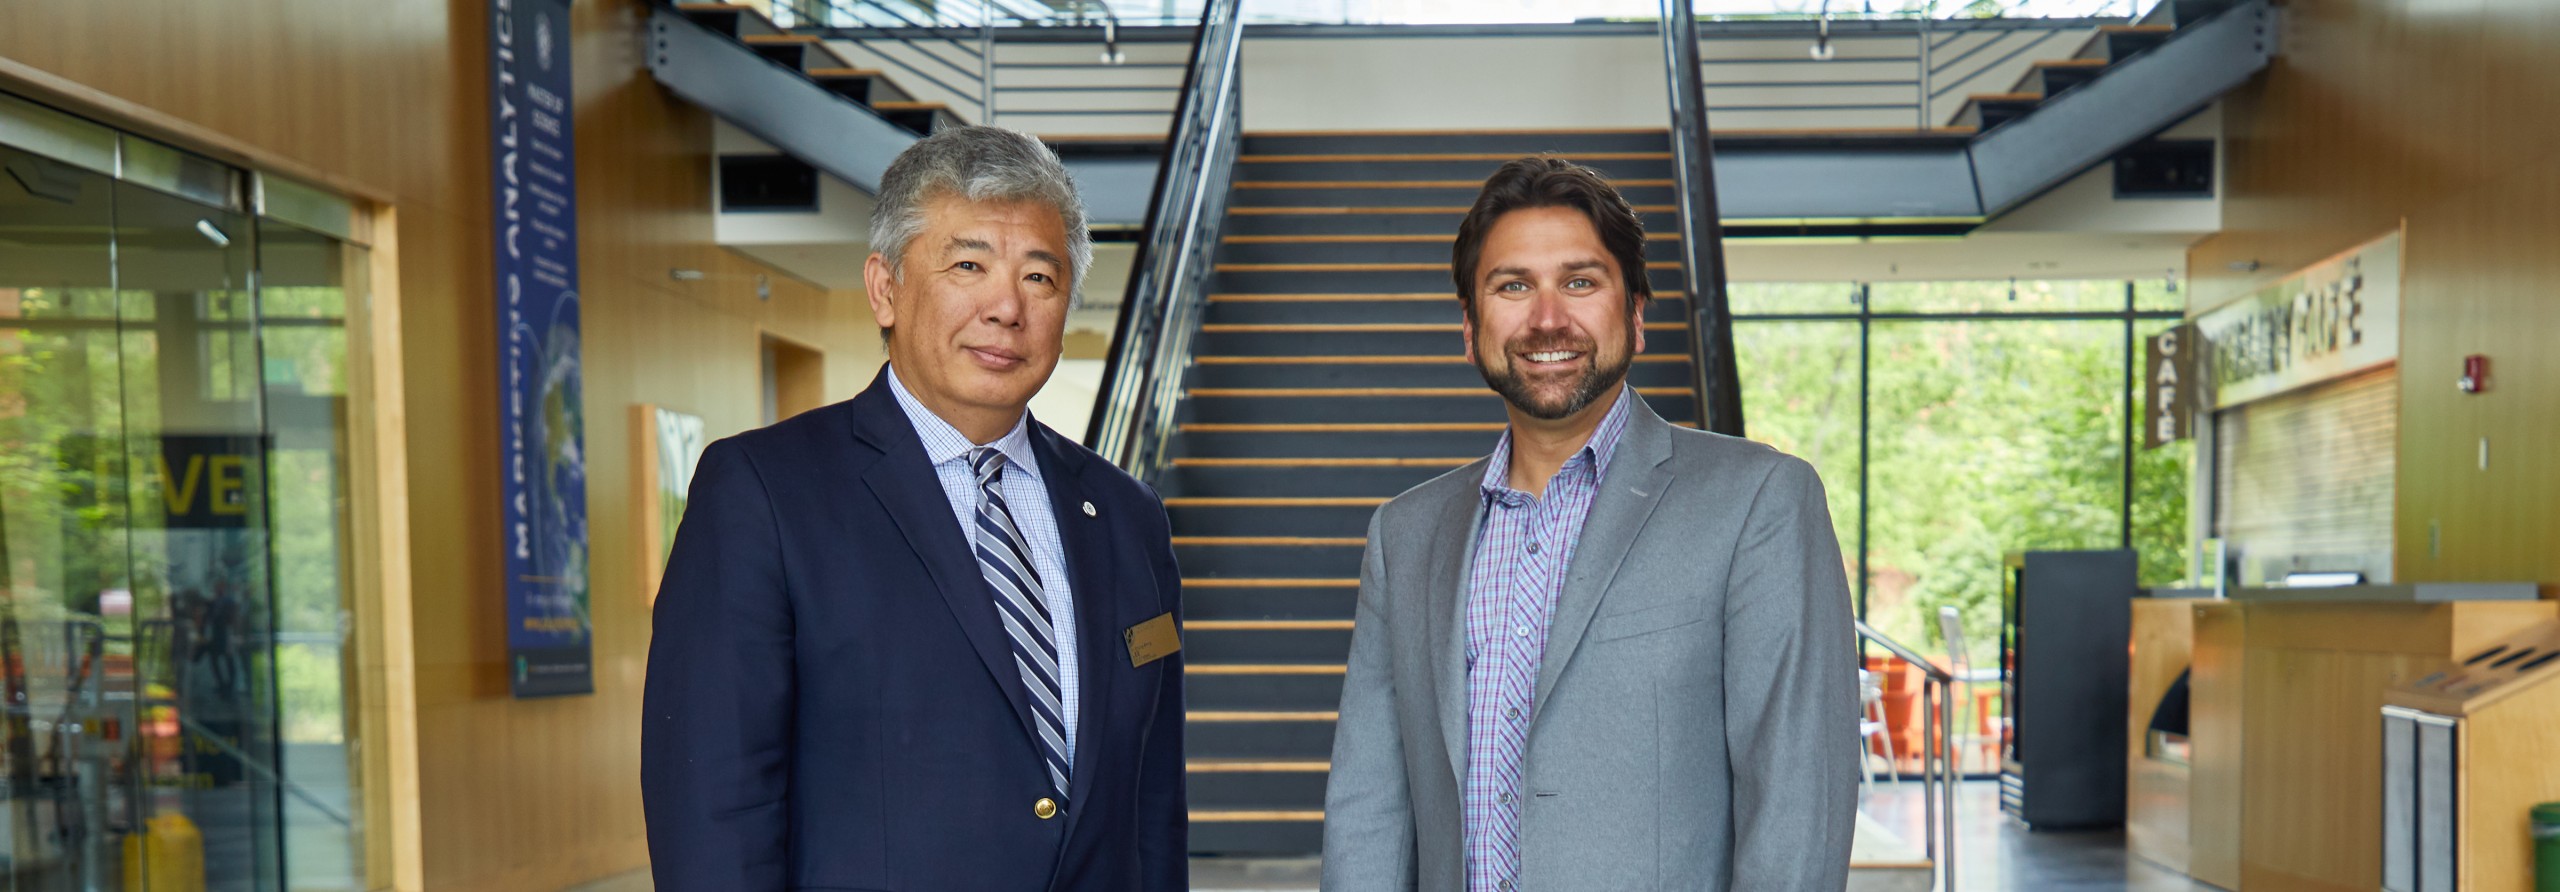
(560, 549)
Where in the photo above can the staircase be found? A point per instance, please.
(2111, 46)
(1328, 377)
(807, 55)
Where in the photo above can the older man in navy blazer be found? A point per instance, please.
(917, 640)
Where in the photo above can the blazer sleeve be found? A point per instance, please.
(1368, 807)
(715, 739)
(1164, 817)
(1790, 691)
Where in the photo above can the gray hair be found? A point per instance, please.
(977, 163)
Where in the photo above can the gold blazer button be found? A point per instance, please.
(1046, 808)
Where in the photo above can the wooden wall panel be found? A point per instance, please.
(2445, 116)
(386, 100)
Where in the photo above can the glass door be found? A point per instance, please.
(138, 747)
(200, 613)
(67, 675)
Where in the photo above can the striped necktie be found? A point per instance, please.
(1006, 562)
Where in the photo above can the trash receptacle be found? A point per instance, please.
(167, 856)
(2546, 847)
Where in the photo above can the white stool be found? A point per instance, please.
(1872, 725)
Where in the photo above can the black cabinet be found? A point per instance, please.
(2066, 621)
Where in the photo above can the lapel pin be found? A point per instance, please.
(1088, 509)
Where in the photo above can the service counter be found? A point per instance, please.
(2281, 782)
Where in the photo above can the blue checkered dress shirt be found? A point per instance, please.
(1524, 546)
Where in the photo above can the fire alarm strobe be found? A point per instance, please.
(2475, 373)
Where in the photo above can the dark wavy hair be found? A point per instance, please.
(1541, 181)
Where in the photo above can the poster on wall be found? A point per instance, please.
(671, 444)
(542, 429)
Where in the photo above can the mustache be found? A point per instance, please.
(1549, 343)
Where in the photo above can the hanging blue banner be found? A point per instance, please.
(542, 432)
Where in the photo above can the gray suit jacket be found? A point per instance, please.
(1695, 725)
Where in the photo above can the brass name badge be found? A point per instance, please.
(1152, 640)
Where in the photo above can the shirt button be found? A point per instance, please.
(1524, 631)
(1506, 886)
(1533, 548)
(1513, 712)
(1506, 798)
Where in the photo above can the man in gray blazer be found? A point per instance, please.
(1614, 655)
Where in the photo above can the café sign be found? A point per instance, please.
(2336, 318)
(2169, 394)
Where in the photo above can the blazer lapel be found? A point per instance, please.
(1628, 495)
(1445, 579)
(904, 482)
(1099, 618)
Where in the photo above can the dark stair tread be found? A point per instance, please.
(1306, 463)
(1382, 238)
(1363, 327)
(1263, 669)
(1414, 184)
(1384, 392)
(1488, 427)
(1458, 210)
(1270, 625)
(1451, 359)
(1496, 157)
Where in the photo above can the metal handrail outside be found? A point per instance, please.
(1937, 752)
(1150, 347)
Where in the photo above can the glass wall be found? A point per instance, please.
(1957, 422)
(172, 526)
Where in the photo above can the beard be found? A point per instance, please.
(1547, 401)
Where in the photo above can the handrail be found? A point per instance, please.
(1151, 345)
(1713, 373)
(853, 10)
(1904, 651)
(1937, 753)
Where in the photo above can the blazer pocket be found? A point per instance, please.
(1646, 621)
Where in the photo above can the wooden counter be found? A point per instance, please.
(2284, 792)
(2156, 789)
(2282, 788)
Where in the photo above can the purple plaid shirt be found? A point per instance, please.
(1523, 548)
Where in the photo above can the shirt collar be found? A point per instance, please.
(1597, 451)
(944, 443)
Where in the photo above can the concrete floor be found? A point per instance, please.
(1993, 854)
(1996, 854)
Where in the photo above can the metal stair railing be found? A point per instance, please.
(1937, 754)
(967, 73)
(1711, 361)
(1168, 290)
(858, 21)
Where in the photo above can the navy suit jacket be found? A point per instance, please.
(833, 704)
